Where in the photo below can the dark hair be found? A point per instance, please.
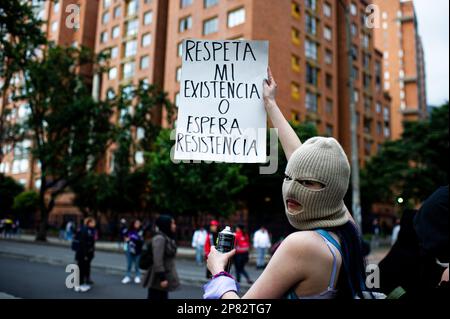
(351, 280)
(164, 225)
(242, 228)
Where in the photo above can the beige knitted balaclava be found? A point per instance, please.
(322, 160)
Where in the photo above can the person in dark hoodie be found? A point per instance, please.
(163, 277)
(417, 261)
(85, 253)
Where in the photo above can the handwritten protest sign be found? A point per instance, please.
(221, 115)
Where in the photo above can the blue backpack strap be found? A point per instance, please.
(330, 238)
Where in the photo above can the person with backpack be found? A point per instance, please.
(162, 277)
(134, 239)
(84, 246)
(323, 259)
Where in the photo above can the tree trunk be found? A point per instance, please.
(42, 231)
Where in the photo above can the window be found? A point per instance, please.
(328, 57)
(379, 128)
(295, 35)
(116, 13)
(355, 96)
(353, 9)
(311, 49)
(178, 74)
(329, 130)
(329, 106)
(295, 10)
(140, 133)
(185, 24)
(327, 34)
(311, 74)
(146, 39)
(311, 24)
(236, 17)
(386, 113)
(115, 32)
(327, 9)
(132, 7)
(210, 26)
(110, 94)
(295, 63)
(130, 48)
(367, 80)
(106, 4)
(54, 27)
(366, 61)
(295, 91)
(139, 157)
(144, 62)
(185, 3)
(114, 52)
(354, 51)
(132, 27)
(112, 74)
(148, 17)
(387, 131)
(311, 102)
(311, 4)
(177, 99)
(105, 17)
(210, 3)
(365, 41)
(128, 70)
(180, 49)
(104, 37)
(329, 81)
(354, 30)
(378, 108)
(56, 7)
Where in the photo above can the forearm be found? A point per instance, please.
(288, 138)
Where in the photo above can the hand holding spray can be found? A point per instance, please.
(225, 243)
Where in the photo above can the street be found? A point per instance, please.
(25, 279)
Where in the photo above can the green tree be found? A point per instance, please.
(9, 189)
(188, 188)
(20, 37)
(25, 206)
(69, 129)
(411, 167)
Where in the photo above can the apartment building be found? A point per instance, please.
(403, 61)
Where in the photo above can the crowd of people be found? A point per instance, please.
(9, 227)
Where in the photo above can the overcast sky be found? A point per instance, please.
(433, 16)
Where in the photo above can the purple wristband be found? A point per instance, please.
(219, 286)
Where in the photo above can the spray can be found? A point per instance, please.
(225, 243)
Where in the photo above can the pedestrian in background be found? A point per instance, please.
(70, 227)
(85, 248)
(134, 239)
(198, 242)
(261, 242)
(395, 232)
(242, 246)
(162, 277)
(210, 241)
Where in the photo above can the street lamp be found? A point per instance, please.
(400, 200)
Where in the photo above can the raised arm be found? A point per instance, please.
(288, 138)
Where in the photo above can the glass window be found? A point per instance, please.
(112, 74)
(311, 24)
(105, 17)
(329, 130)
(148, 17)
(146, 39)
(328, 57)
(130, 48)
(140, 133)
(295, 9)
(295, 91)
(210, 3)
(295, 35)
(106, 3)
(145, 62)
(329, 106)
(185, 3)
(210, 26)
(311, 102)
(329, 81)
(178, 74)
(311, 74)
(139, 157)
(56, 7)
(110, 94)
(115, 31)
(132, 27)
(327, 34)
(353, 9)
(236, 17)
(180, 49)
(354, 30)
(54, 27)
(114, 52)
(311, 4)
(177, 99)
(185, 24)
(295, 63)
(128, 70)
(311, 49)
(104, 37)
(132, 7)
(327, 10)
(117, 11)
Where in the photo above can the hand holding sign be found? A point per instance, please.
(221, 115)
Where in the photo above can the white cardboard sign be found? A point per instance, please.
(221, 115)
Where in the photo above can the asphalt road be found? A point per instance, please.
(26, 279)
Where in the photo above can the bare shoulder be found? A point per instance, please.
(302, 243)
